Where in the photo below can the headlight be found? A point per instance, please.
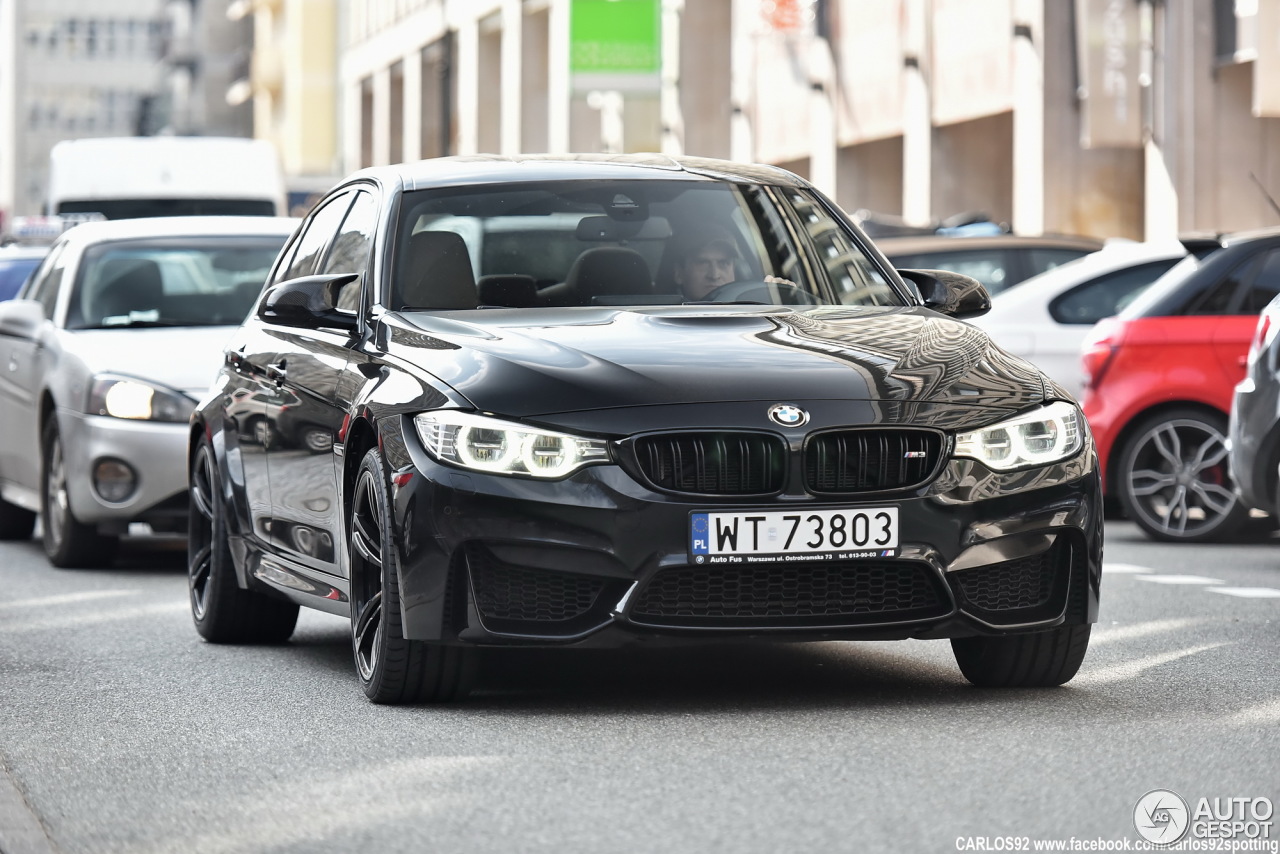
(501, 447)
(134, 399)
(1036, 438)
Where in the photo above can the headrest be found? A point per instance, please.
(437, 272)
(128, 284)
(609, 270)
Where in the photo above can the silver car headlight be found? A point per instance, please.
(503, 447)
(123, 397)
(1036, 438)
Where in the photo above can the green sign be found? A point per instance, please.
(615, 37)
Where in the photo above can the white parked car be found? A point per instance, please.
(1045, 318)
(103, 355)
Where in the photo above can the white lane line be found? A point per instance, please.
(76, 621)
(1247, 592)
(1125, 569)
(67, 598)
(1262, 713)
(1142, 630)
(1127, 670)
(1181, 579)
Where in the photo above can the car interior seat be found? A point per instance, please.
(128, 285)
(511, 290)
(437, 273)
(603, 271)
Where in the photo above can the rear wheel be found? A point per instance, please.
(392, 669)
(68, 542)
(15, 522)
(1172, 478)
(1037, 660)
(223, 611)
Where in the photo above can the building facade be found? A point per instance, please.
(1126, 118)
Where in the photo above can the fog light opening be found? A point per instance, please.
(114, 480)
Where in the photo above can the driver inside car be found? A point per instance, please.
(705, 261)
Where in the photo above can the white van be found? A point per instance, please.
(128, 177)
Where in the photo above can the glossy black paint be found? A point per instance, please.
(615, 373)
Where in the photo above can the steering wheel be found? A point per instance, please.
(762, 292)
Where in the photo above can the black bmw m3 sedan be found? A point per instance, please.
(600, 400)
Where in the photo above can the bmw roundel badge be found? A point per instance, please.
(788, 415)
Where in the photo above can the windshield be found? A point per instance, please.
(582, 243)
(141, 208)
(206, 281)
(1148, 303)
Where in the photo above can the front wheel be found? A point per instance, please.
(1036, 660)
(68, 542)
(223, 611)
(392, 669)
(1172, 478)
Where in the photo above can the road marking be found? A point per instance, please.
(1142, 630)
(74, 621)
(1181, 579)
(1247, 592)
(1125, 569)
(67, 598)
(1127, 670)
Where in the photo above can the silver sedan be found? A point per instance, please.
(103, 355)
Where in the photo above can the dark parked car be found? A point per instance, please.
(1160, 384)
(999, 261)
(536, 438)
(1255, 418)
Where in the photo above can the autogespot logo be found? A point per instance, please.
(1161, 816)
(787, 415)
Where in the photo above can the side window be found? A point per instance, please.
(351, 250)
(319, 231)
(1265, 284)
(46, 284)
(1218, 297)
(1105, 295)
(1039, 260)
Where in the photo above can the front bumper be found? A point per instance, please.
(601, 559)
(156, 451)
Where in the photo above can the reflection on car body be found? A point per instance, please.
(549, 444)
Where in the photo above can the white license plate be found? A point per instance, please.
(758, 535)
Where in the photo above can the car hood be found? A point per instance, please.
(544, 361)
(183, 358)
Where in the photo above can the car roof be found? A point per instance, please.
(492, 168)
(1114, 256)
(891, 246)
(181, 226)
(1250, 235)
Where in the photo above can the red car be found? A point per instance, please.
(1160, 382)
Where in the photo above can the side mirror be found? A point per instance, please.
(21, 318)
(950, 293)
(309, 303)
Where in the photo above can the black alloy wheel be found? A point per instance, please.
(68, 542)
(223, 611)
(392, 669)
(1173, 481)
(1036, 660)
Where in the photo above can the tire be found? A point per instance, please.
(16, 523)
(1039, 660)
(68, 542)
(1172, 478)
(392, 669)
(224, 612)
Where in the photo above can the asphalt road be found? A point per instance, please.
(122, 731)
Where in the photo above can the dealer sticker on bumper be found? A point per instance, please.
(793, 535)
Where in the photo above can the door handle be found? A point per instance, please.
(278, 371)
